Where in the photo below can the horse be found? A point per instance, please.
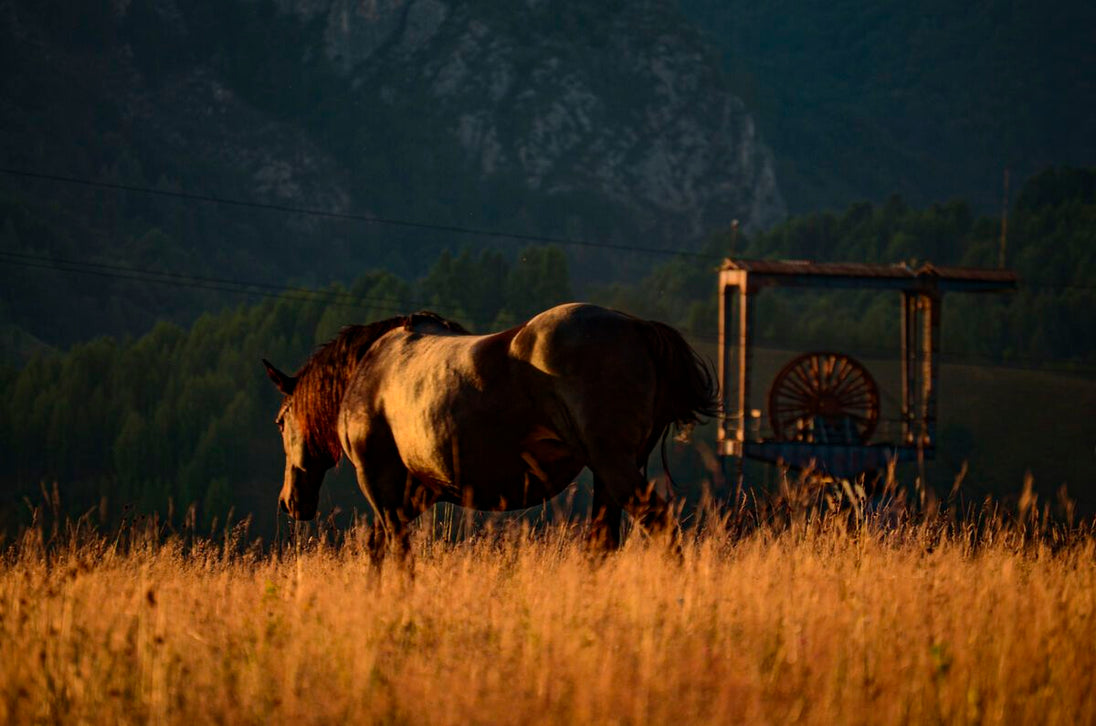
(427, 412)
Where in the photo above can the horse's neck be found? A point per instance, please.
(323, 392)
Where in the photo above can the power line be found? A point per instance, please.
(373, 304)
(367, 218)
(166, 277)
(261, 289)
(238, 287)
(454, 229)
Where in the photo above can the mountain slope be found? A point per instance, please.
(609, 123)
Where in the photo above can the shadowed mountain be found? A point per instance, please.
(608, 122)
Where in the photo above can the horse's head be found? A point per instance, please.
(305, 462)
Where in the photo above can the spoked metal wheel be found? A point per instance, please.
(824, 398)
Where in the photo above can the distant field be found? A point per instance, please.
(776, 616)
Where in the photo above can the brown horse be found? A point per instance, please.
(427, 412)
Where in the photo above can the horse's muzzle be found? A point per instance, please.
(296, 510)
(300, 494)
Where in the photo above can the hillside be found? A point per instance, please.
(609, 122)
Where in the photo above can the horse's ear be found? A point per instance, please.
(284, 383)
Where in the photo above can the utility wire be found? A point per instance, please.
(453, 229)
(173, 278)
(367, 218)
(359, 302)
(373, 304)
(238, 287)
(261, 289)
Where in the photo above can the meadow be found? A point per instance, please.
(809, 606)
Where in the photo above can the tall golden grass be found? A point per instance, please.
(804, 608)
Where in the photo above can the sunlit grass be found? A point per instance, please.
(791, 610)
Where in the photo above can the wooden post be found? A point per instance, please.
(909, 363)
(930, 364)
(726, 333)
(745, 346)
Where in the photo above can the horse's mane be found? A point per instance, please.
(322, 380)
(426, 316)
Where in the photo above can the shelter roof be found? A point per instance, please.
(899, 276)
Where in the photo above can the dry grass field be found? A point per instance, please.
(787, 613)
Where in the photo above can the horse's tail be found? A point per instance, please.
(686, 390)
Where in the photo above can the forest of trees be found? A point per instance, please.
(182, 415)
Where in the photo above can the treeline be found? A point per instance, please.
(182, 416)
(1050, 243)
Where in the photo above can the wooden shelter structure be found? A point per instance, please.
(824, 406)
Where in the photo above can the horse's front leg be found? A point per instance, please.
(392, 536)
(397, 499)
(388, 531)
(377, 542)
(395, 495)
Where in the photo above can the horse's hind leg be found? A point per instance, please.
(623, 482)
(604, 517)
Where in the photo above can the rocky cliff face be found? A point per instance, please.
(605, 121)
(619, 101)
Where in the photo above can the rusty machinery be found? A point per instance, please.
(823, 406)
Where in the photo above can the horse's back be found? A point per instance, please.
(561, 340)
(601, 371)
(460, 410)
(517, 413)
